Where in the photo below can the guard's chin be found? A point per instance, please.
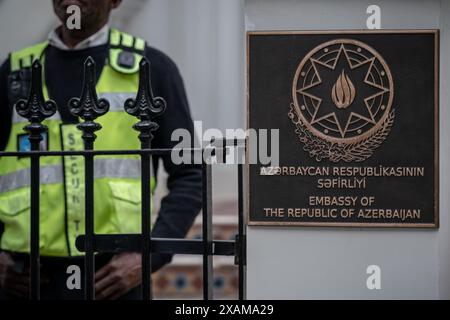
(67, 3)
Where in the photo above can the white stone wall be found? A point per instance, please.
(330, 263)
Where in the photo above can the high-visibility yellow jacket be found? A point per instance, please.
(117, 178)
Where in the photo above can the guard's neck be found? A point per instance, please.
(73, 37)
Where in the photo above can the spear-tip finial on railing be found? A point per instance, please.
(88, 107)
(145, 106)
(35, 108)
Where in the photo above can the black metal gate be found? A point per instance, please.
(145, 107)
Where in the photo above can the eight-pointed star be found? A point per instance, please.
(327, 76)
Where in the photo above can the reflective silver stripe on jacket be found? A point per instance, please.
(18, 119)
(21, 178)
(117, 99)
(103, 168)
(117, 168)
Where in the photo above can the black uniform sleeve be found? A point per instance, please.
(5, 112)
(183, 202)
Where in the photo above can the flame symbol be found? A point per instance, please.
(343, 92)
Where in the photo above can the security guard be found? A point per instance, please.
(117, 191)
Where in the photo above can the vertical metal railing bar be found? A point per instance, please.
(35, 109)
(88, 107)
(145, 107)
(146, 226)
(241, 224)
(34, 224)
(89, 225)
(207, 224)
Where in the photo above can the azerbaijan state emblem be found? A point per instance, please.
(342, 101)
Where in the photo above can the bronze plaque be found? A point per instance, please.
(357, 114)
